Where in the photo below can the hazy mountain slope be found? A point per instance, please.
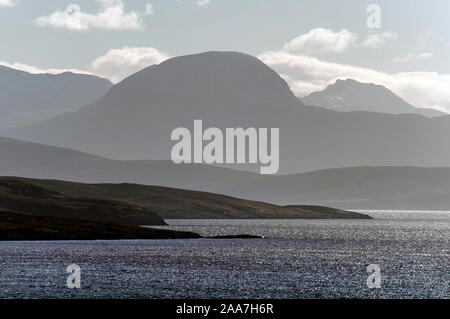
(350, 188)
(26, 159)
(26, 98)
(415, 188)
(134, 120)
(18, 155)
(180, 203)
(350, 95)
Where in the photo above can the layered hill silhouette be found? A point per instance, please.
(19, 158)
(27, 98)
(384, 188)
(134, 120)
(166, 202)
(419, 188)
(350, 95)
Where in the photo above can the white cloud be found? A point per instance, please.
(111, 16)
(36, 70)
(7, 3)
(406, 58)
(303, 88)
(422, 89)
(117, 64)
(321, 41)
(414, 56)
(378, 40)
(425, 55)
(202, 3)
(198, 3)
(149, 9)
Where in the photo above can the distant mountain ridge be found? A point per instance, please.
(19, 158)
(382, 188)
(420, 188)
(134, 120)
(27, 98)
(350, 95)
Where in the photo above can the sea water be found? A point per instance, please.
(296, 259)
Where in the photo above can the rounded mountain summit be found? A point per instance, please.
(134, 120)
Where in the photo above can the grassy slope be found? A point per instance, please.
(178, 203)
(21, 197)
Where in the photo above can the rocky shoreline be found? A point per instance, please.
(16, 227)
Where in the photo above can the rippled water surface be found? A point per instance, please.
(297, 259)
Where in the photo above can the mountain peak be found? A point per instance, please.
(136, 118)
(207, 79)
(224, 89)
(27, 98)
(211, 66)
(350, 95)
(351, 83)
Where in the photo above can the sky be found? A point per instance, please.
(403, 45)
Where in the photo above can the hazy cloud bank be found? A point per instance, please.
(306, 74)
(111, 16)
